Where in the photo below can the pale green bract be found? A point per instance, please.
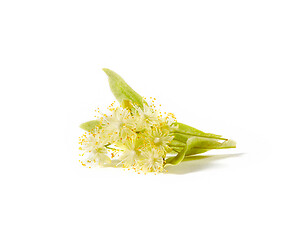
(202, 144)
(121, 90)
(140, 136)
(90, 125)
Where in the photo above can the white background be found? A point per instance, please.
(227, 67)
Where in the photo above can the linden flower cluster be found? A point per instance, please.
(138, 137)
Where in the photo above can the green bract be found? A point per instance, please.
(190, 131)
(195, 145)
(121, 90)
(90, 125)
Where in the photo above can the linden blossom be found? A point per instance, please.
(139, 135)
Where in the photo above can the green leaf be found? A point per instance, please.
(181, 137)
(180, 156)
(195, 145)
(189, 131)
(121, 90)
(176, 143)
(190, 152)
(209, 143)
(195, 151)
(90, 125)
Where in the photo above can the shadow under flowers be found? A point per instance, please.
(198, 163)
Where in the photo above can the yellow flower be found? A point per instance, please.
(130, 153)
(151, 161)
(119, 126)
(159, 138)
(140, 136)
(94, 146)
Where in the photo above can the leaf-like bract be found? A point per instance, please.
(121, 90)
(90, 125)
(195, 145)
